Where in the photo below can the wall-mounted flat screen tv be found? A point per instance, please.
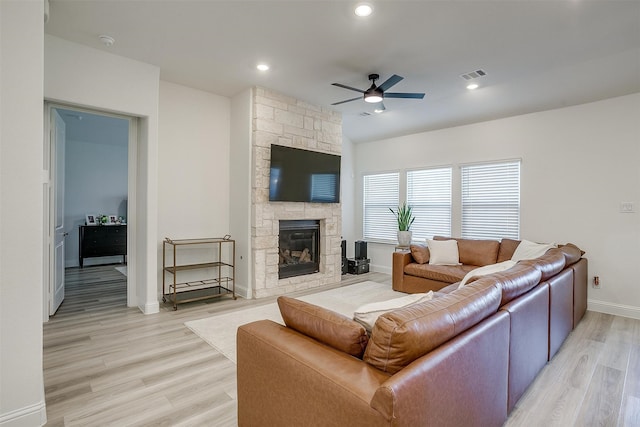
(303, 176)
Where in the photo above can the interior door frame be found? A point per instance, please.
(57, 194)
(49, 185)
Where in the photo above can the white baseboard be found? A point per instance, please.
(32, 415)
(380, 269)
(152, 307)
(242, 292)
(615, 309)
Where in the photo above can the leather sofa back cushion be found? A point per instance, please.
(420, 253)
(476, 252)
(326, 326)
(518, 280)
(549, 264)
(507, 248)
(572, 253)
(402, 336)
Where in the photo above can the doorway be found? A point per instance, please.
(91, 162)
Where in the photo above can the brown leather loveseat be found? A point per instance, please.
(411, 271)
(463, 358)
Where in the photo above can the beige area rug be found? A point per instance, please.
(122, 270)
(220, 331)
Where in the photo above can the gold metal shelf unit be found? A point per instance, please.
(221, 284)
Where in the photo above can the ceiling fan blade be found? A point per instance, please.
(347, 87)
(404, 95)
(346, 100)
(390, 82)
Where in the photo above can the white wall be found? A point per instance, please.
(95, 183)
(578, 164)
(82, 76)
(21, 206)
(240, 176)
(193, 164)
(350, 233)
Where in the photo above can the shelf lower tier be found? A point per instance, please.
(199, 290)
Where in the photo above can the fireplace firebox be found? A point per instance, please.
(299, 248)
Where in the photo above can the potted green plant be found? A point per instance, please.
(405, 219)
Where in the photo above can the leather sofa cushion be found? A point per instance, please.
(402, 336)
(549, 264)
(476, 252)
(572, 253)
(442, 273)
(326, 326)
(420, 253)
(507, 248)
(516, 281)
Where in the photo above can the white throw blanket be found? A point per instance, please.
(487, 269)
(525, 250)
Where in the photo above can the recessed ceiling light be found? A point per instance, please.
(472, 86)
(108, 41)
(363, 9)
(262, 67)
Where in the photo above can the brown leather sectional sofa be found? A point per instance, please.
(463, 358)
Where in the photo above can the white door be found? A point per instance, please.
(56, 293)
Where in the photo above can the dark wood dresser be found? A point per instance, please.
(102, 240)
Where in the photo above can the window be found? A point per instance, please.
(429, 194)
(491, 201)
(381, 192)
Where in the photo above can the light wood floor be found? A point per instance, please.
(106, 364)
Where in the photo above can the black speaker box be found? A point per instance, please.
(345, 266)
(358, 266)
(361, 249)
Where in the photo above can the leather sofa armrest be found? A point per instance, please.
(287, 378)
(400, 260)
(421, 393)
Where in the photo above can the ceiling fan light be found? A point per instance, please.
(363, 10)
(373, 97)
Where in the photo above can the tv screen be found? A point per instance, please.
(303, 176)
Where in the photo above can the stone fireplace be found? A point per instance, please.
(298, 248)
(282, 120)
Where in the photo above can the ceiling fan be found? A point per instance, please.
(375, 94)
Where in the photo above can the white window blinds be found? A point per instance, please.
(491, 201)
(429, 194)
(381, 192)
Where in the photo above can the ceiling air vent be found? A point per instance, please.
(473, 75)
(364, 114)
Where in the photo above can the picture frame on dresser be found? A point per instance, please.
(90, 219)
(113, 219)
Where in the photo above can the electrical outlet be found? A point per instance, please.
(627, 207)
(596, 282)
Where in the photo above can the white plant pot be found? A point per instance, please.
(404, 238)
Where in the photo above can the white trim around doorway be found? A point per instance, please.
(132, 197)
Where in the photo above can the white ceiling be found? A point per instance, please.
(538, 55)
